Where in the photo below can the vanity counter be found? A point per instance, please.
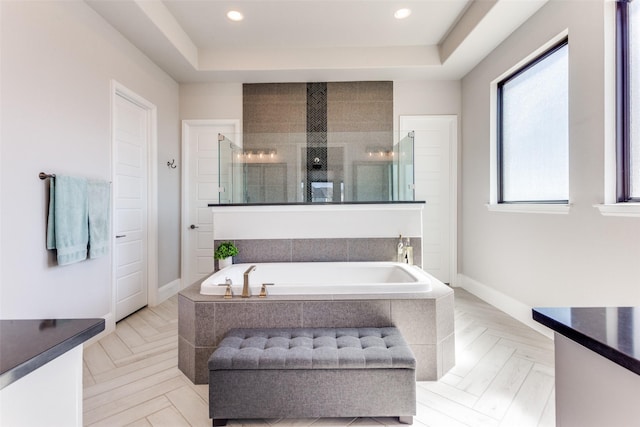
(611, 332)
(597, 364)
(26, 345)
(41, 371)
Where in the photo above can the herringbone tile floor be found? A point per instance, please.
(504, 376)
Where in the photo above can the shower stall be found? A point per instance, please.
(276, 168)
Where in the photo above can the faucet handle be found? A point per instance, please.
(263, 290)
(228, 293)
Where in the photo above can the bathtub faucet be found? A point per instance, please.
(246, 292)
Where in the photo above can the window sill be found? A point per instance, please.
(619, 209)
(537, 208)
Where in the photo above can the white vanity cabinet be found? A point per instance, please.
(41, 371)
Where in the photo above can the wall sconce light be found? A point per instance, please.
(380, 152)
(270, 152)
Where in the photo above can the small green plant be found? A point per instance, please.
(225, 250)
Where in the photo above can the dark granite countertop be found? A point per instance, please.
(26, 345)
(609, 331)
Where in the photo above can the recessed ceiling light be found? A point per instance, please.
(402, 13)
(234, 15)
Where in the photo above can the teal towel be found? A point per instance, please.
(99, 213)
(67, 228)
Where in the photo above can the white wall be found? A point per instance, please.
(338, 221)
(577, 259)
(211, 101)
(58, 59)
(425, 97)
(1, 149)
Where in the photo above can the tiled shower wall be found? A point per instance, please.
(352, 118)
(360, 107)
(281, 108)
(321, 250)
(275, 117)
(273, 108)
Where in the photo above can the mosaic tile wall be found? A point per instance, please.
(316, 134)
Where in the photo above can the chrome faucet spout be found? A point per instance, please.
(246, 292)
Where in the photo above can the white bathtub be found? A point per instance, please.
(321, 278)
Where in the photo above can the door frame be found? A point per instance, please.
(187, 125)
(118, 89)
(454, 150)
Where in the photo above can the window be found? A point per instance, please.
(628, 105)
(533, 132)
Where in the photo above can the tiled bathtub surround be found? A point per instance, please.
(425, 320)
(322, 250)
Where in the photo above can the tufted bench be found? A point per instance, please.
(312, 372)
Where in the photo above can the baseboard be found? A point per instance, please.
(509, 305)
(109, 327)
(167, 291)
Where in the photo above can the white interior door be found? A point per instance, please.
(435, 154)
(200, 188)
(131, 133)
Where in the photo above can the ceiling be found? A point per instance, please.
(315, 40)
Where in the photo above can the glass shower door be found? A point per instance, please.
(230, 172)
(403, 159)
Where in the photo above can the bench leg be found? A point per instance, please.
(219, 422)
(406, 419)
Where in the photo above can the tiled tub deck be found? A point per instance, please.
(425, 320)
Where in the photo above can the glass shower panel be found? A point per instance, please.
(230, 172)
(372, 181)
(294, 167)
(403, 168)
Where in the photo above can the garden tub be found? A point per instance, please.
(321, 278)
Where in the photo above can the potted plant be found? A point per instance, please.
(223, 254)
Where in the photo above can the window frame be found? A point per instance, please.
(623, 104)
(499, 125)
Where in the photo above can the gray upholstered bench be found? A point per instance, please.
(312, 372)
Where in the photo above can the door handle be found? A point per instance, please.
(193, 226)
(120, 236)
